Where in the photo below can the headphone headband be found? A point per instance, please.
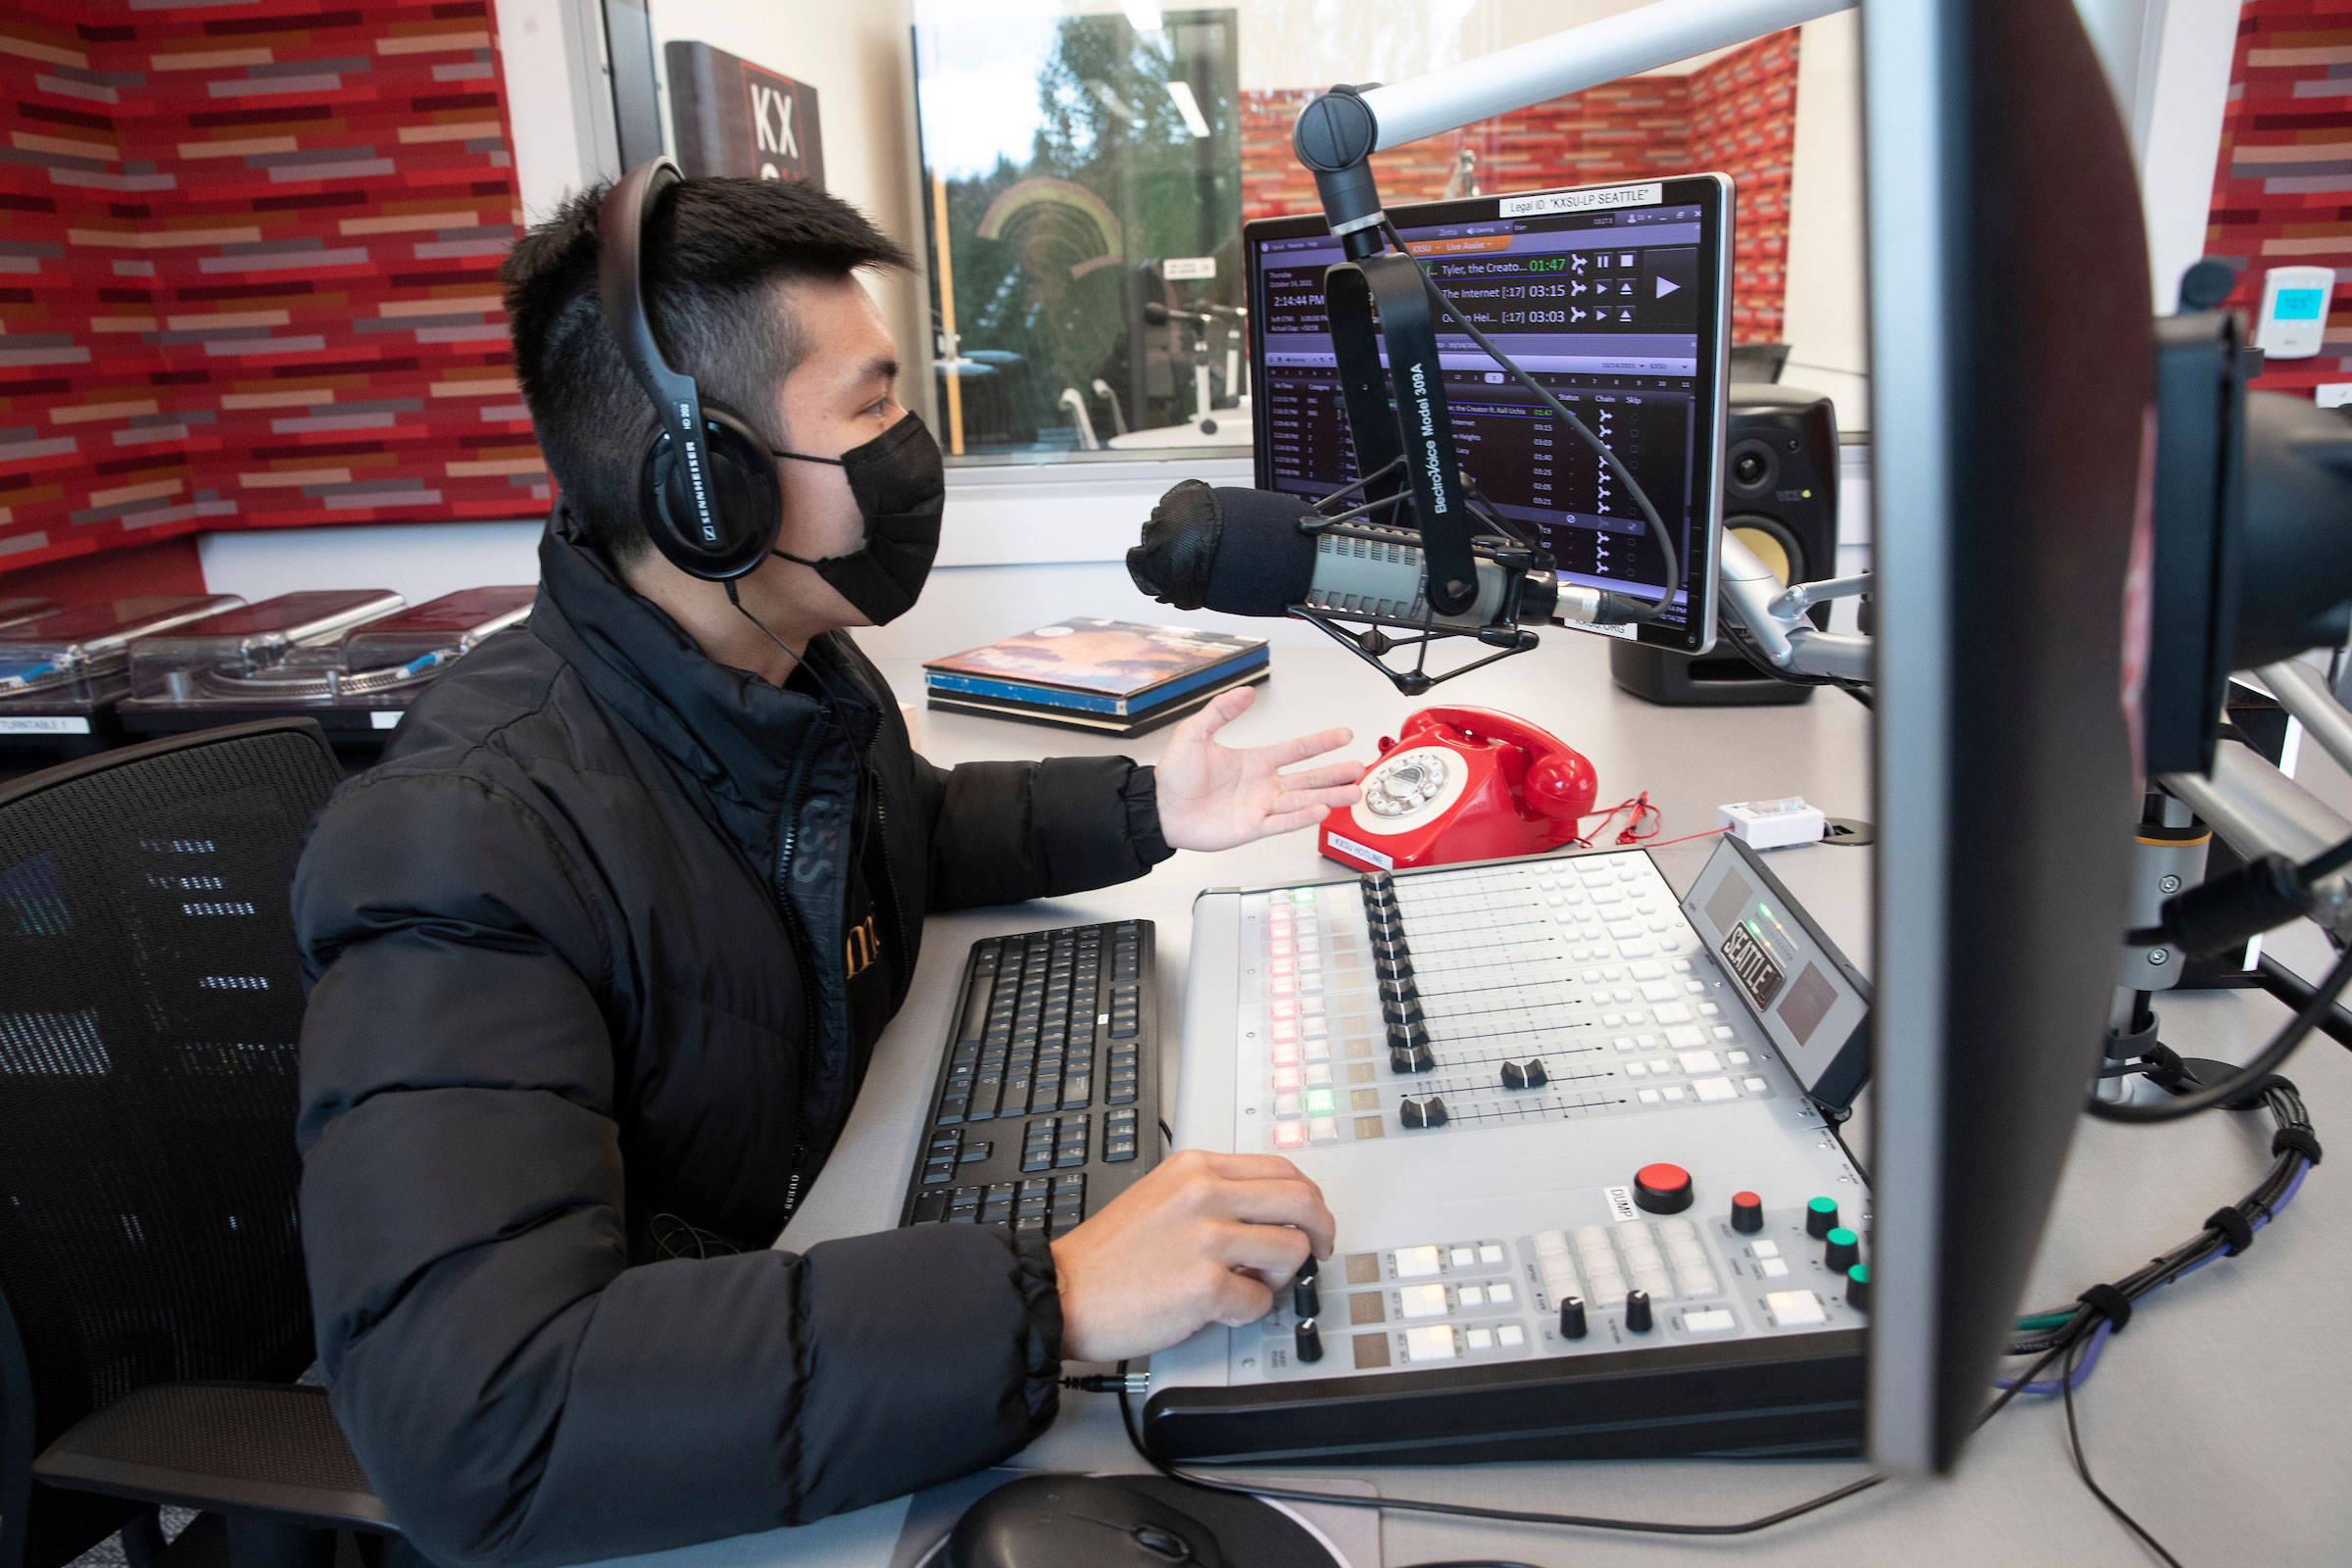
(706, 490)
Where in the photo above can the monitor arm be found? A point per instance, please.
(1780, 635)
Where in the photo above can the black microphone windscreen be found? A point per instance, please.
(1236, 552)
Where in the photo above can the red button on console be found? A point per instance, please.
(1662, 1189)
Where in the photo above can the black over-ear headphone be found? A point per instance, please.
(705, 487)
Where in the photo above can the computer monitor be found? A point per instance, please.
(1615, 297)
(2010, 358)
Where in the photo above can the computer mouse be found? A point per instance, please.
(1126, 1522)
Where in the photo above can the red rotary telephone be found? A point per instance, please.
(1462, 784)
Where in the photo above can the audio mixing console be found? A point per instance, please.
(1571, 1128)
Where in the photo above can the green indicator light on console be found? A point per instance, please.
(1303, 896)
(1321, 1102)
(1765, 909)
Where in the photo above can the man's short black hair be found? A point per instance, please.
(717, 252)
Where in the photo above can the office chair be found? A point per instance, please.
(153, 1313)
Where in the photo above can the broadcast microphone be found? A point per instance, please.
(1242, 553)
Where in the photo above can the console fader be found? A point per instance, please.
(1587, 1204)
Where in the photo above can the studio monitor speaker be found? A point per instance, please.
(1779, 499)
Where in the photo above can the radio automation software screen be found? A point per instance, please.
(1614, 298)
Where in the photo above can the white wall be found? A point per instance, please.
(1829, 338)
(855, 54)
(2185, 94)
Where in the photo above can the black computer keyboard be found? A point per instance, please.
(1048, 1104)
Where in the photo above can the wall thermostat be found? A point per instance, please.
(2294, 311)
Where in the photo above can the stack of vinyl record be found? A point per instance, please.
(352, 659)
(1108, 677)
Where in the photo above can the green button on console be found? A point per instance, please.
(1821, 1217)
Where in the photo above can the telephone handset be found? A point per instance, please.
(1462, 784)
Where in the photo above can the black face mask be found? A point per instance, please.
(901, 486)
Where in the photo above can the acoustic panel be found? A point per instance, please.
(248, 258)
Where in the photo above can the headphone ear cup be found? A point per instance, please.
(747, 501)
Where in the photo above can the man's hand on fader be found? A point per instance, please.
(1212, 797)
(1201, 1238)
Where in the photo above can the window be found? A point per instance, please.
(1088, 166)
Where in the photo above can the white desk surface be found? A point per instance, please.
(2222, 1418)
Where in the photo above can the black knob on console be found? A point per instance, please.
(1537, 1077)
(1514, 1076)
(1309, 1340)
(1572, 1318)
(1306, 1300)
(1637, 1311)
(1845, 1251)
(1747, 1213)
(1662, 1189)
(1857, 1286)
(1309, 1269)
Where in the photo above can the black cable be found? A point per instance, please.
(824, 687)
(1635, 611)
(2073, 1441)
(2236, 1086)
(1743, 642)
(2296, 1150)
(2326, 863)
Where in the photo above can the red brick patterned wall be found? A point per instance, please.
(1632, 129)
(1738, 113)
(1743, 122)
(247, 270)
(2282, 194)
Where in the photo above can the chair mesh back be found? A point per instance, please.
(150, 1005)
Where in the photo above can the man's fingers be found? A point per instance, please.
(1323, 800)
(1221, 712)
(1298, 748)
(1236, 1300)
(1324, 777)
(1295, 1202)
(1274, 1253)
(1242, 1167)
(1291, 821)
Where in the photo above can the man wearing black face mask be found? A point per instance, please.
(600, 953)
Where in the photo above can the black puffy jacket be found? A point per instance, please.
(577, 960)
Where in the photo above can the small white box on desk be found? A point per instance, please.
(1773, 825)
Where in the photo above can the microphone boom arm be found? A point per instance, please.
(1777, 630)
